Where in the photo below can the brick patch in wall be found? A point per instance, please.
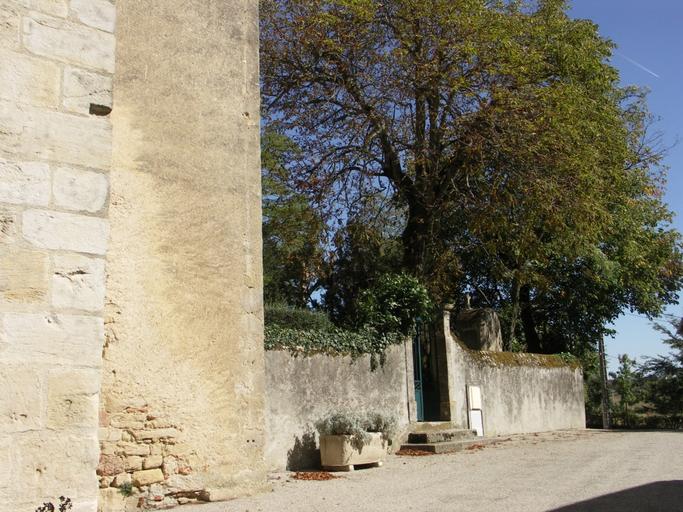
(143, 450)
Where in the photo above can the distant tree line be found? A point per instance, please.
(648, 394)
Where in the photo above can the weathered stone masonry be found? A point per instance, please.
(183, 378)
(130, 294)
(56, 59)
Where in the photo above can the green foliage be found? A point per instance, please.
(364, 251)
(382, 423)
(348, 424)
(664, 377)
(357, 426)
(334, 342)
(592, 388)
(393, 303)
(293, 231)
(290, 317)
(521, 170)
(625, 383)
(569, 358)
(126, 489)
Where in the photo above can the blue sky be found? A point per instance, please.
(649, 36)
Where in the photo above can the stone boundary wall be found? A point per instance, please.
(301, 390)
(56, 65)
(521, 393)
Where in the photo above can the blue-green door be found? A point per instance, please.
(417, 375)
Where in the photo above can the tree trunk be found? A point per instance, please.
(533, 342)
(416, 240)
(514, 297)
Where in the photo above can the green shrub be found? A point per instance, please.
(334, 342)
(393, 303)
(357, 426)
(126, 489)
(295, 318)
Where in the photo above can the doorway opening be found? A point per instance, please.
(430, 373)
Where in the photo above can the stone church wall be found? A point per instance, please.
(183, 384)
(56, 65)
(130, 295)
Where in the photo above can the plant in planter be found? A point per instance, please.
(348, 440)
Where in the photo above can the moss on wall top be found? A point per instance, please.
(499, 359)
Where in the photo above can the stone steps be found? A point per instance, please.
(441, 437)
(445, 447)
(433, 426)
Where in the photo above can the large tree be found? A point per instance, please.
(433, 96)
(498, 129)
(294, 233)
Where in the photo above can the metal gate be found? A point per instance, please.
(426, 371)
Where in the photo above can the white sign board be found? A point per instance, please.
(474, 398)
(474, 406)
(477, 422)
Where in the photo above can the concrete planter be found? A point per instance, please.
(338, 454)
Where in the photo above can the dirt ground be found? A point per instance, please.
(572, 471)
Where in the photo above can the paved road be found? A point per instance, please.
(580, 471)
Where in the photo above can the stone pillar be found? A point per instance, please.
(444, 348)
(183, 388)
(56, 65)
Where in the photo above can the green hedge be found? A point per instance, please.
(334, 342)
(300, 319)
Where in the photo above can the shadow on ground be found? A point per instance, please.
(654, 497)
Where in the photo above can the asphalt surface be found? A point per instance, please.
(573, 471)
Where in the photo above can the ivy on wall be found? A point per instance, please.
(333, 342)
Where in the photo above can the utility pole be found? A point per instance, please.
(605, 391)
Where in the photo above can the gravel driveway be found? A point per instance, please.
(574, 471)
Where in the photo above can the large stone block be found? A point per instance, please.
(54, 7)
(23, 275)
(95, 13)
(24, 182)
(29, 80)
(111, 465)
(78, 282)
(33, 134)
(79, 190)
(111, 500)
(66, 231)
(51, 339)
(141, 450)
(72, 398)
(6, 466)
(10, 21)
(21, 400)
(54, 463)
(147, 477)
(82, 88)
(69, 42)
(8, 226)
(479, 329)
